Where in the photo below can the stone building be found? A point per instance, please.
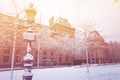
(97, 48)
(52, 50)
(60, 53)
(62, 27)
(113, 50)
(94, 47)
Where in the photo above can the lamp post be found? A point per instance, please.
(29, 36)
(38, 60)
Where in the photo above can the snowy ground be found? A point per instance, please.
(104, 72)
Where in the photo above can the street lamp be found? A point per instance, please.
(29, 36)
(30, 14)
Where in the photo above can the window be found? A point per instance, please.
(51, 54)
(17, 58)
(60, 58)
(7, 51)
(6, 59)
(6, 55)
(18, 51)
(66, 58)
(45, 54)
(36, 59)
(36, 56)
(44, 57)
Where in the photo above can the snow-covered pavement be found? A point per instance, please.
(104, 72)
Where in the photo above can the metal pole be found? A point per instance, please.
(13, 53)
(74, 50)
(38, 47)
(38, 64)
(14, 41)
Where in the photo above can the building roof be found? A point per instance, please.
(95, 36)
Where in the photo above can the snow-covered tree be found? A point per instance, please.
(81, 37)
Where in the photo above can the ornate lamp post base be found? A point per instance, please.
(27, 77)
(28, 63)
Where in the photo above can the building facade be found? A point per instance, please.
(46, 49)
(97, 48)
(62, 27)
(94, 47)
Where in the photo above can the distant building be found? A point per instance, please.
(97, 48)
(113, 50)
(62, 27)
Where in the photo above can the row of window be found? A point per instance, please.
(63, 32)
(6, 56)
(18, 58)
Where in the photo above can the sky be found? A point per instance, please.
(105, 14)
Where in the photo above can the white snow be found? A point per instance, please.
(103, 72)
(26, 64)
(28, 57)
(27, 73)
